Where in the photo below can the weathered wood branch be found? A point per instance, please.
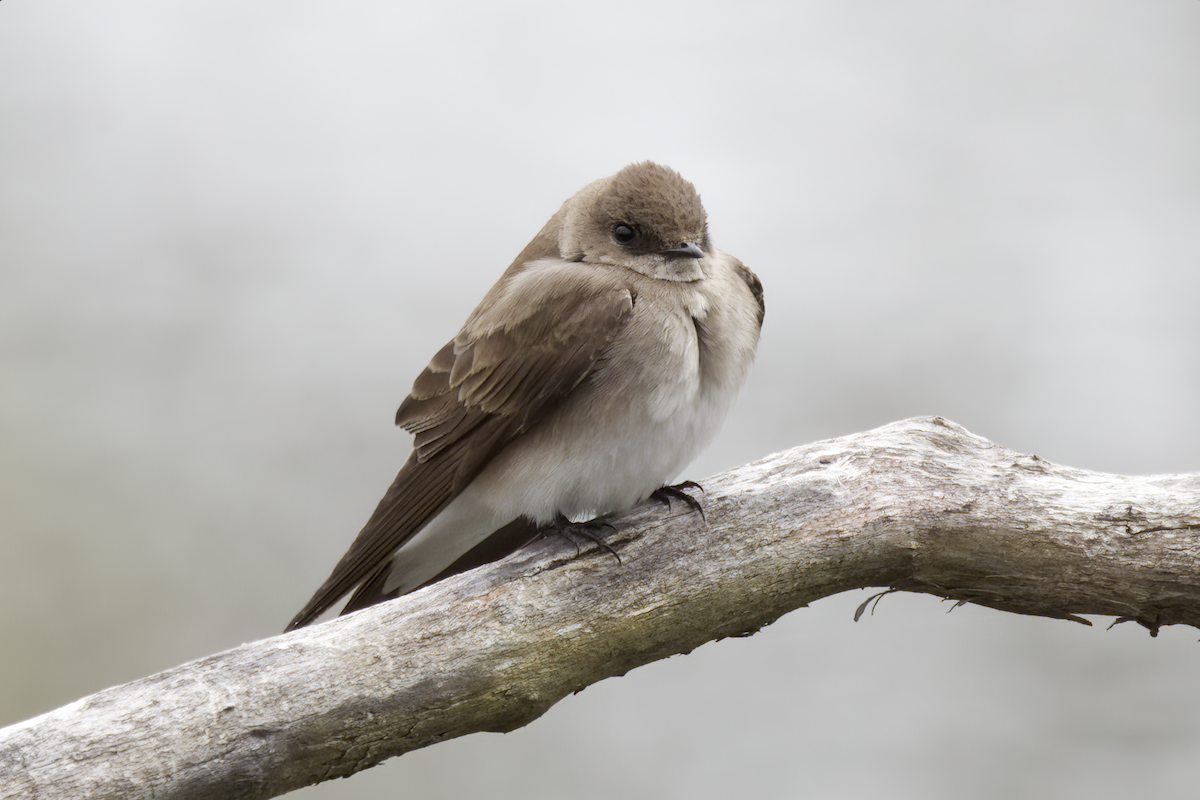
(920, 505)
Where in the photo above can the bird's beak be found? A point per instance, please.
(683, 250)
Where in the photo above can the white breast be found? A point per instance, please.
(658, 400)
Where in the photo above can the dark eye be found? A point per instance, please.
(624, 234)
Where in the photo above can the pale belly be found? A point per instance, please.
(610, 465)
(596, 471)
(637, 422)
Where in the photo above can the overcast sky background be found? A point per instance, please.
(231, 234)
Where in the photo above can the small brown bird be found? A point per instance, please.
(600, 364)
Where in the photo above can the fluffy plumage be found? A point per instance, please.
(600, 363)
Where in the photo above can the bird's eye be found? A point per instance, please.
(624, 234)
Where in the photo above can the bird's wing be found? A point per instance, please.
(756, 288)
(516, 359)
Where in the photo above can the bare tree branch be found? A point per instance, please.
(920, 505)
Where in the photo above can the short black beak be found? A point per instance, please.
(683, 250)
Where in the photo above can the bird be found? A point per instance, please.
(599, 365)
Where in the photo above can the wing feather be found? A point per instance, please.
(515, 361)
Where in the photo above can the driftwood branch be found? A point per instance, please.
(920, 505)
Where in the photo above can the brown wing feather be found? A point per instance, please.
(756, 289)
(478, 394)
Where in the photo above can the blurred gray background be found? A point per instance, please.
(231, 234)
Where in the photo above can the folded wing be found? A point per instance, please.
(515, 361)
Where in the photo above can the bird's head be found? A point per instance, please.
(646, 218)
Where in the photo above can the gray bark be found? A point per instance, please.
(920, 505)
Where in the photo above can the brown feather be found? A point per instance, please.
(464, 413)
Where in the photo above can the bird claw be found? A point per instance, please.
(664, 495)
(568, 530)
(589, 529)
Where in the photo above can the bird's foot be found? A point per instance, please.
(589, 529)
(664, 495)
